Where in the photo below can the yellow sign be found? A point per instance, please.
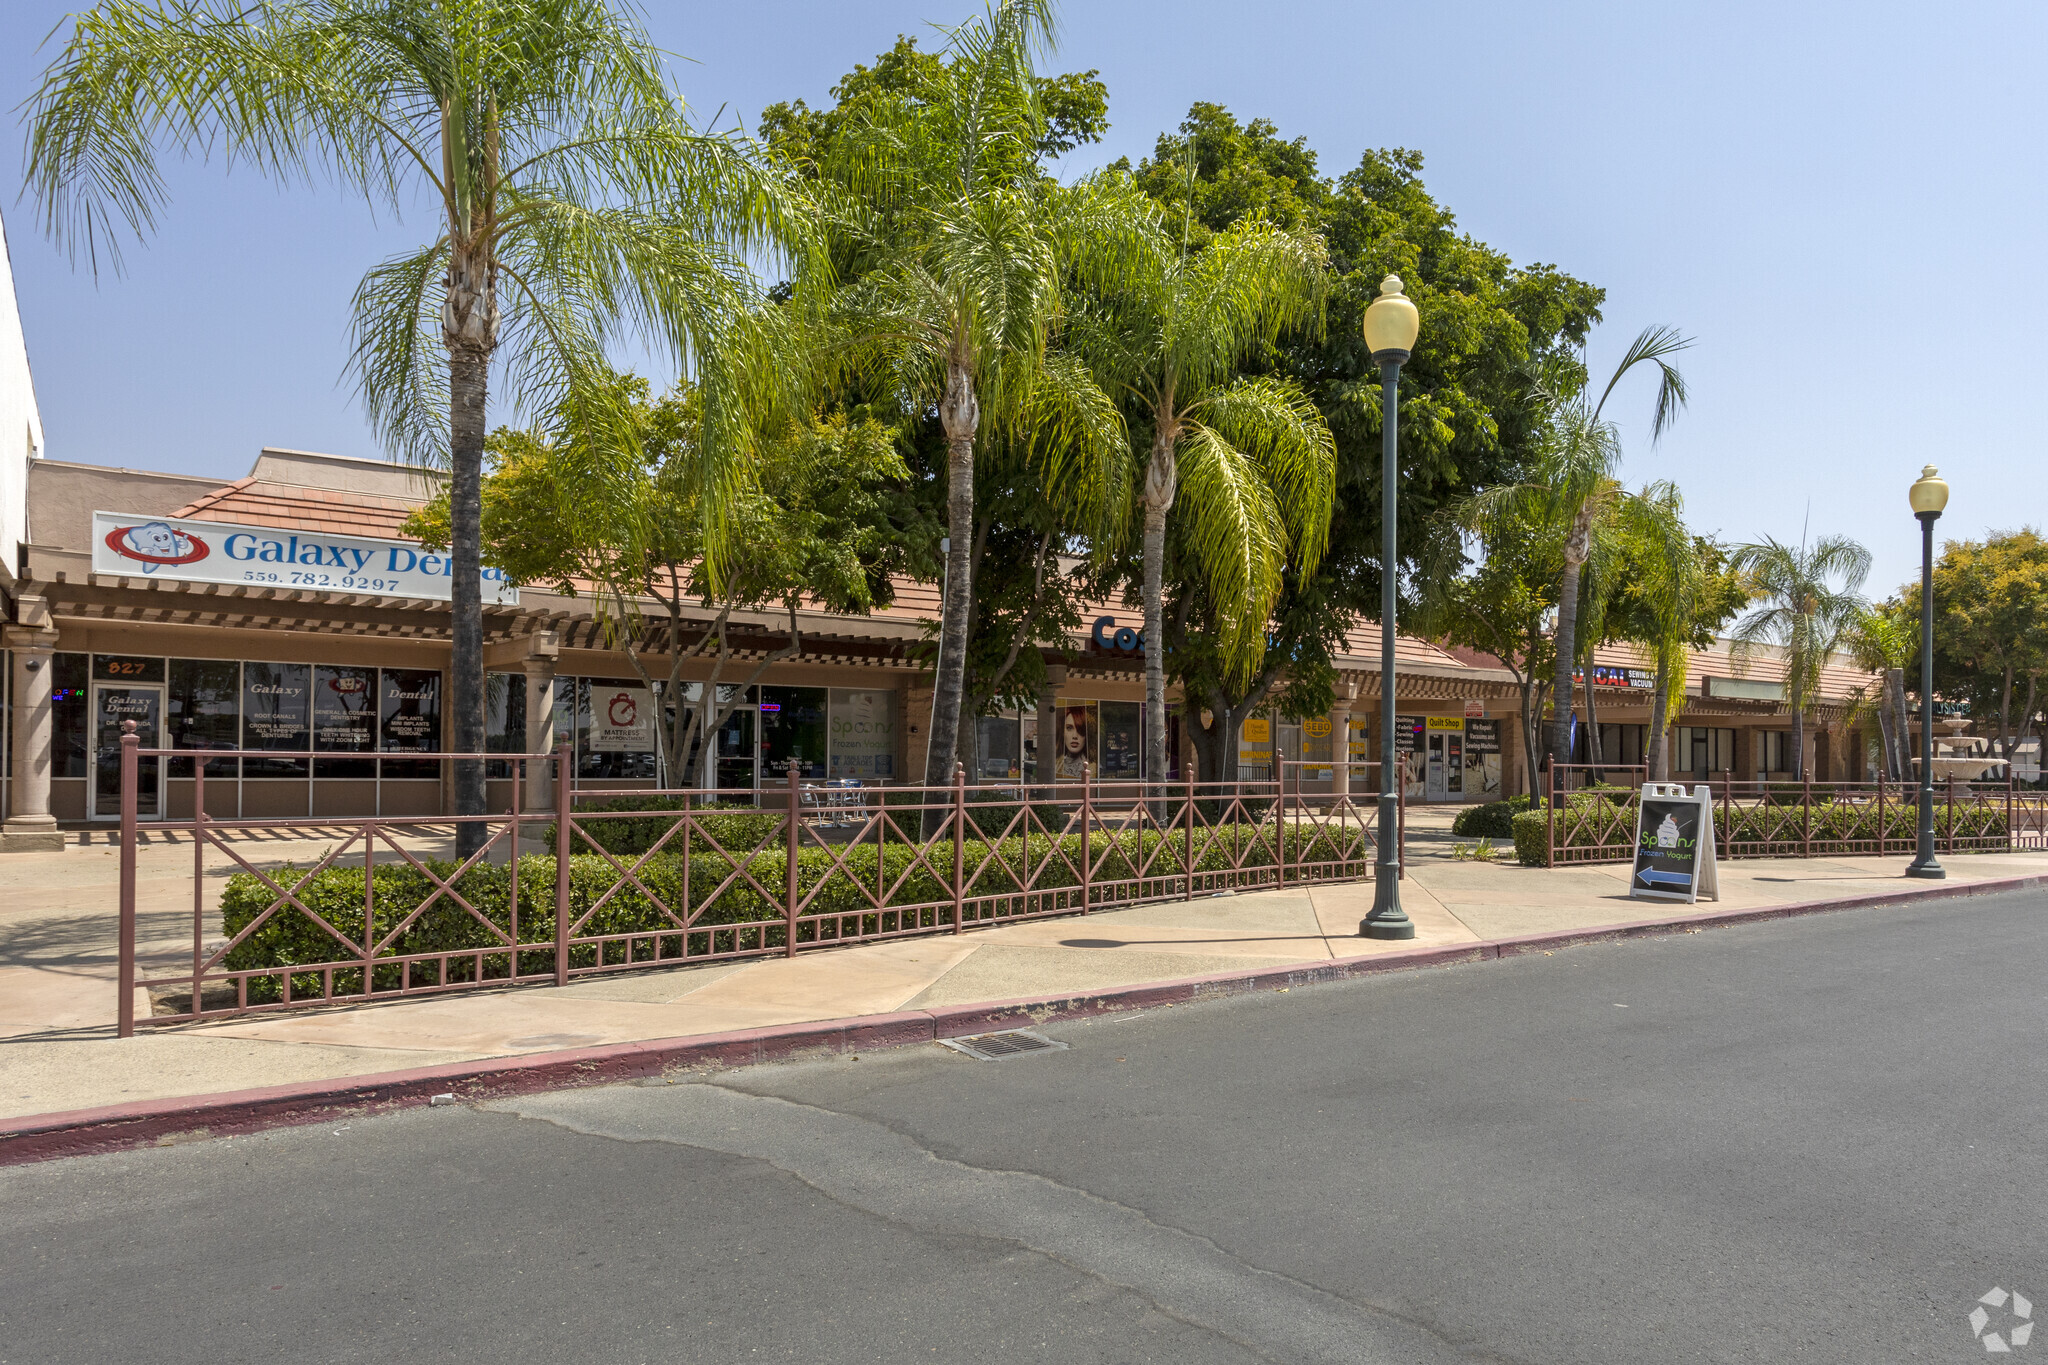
(1447, 723)
(1316, 727)
(1258, 730)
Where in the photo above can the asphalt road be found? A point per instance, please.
(1818, 1140)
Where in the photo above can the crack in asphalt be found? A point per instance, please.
(870, 1167)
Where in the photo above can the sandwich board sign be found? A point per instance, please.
(1674, 844)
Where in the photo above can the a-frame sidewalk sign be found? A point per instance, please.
(1674, 844)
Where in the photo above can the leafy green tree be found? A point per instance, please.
(1672, 594)
(1468, 417)
(1991, 626)
(1504, 605)
(954, 253)
(1570, 486)
(571, 196)
(1802, 612)
(1248, 459)
(575, 508)
(1884, 640)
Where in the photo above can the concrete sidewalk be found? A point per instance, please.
(57, 965)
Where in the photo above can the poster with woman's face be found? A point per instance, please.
(1076, 739)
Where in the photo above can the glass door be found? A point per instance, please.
(1436, 772)
(734, 750)
(113, 703)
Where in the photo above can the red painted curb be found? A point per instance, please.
(82, 1132)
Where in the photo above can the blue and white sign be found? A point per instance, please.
(186, 551)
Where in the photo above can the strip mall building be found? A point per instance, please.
(282, 611)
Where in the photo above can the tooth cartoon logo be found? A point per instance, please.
(153, 543)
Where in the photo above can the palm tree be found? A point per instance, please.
(1884, 643)
(1639, 582)
(1572, 487)
(1804, 613)
(1250, 459)
(572, 197)
(959, 253)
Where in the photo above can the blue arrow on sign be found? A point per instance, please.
(1654, 876)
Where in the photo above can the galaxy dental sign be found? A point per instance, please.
(268, 556)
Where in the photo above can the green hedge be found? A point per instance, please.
(723, 918)
(1494, 820)
(1532, 839)
(738, 828)
(1776, 830)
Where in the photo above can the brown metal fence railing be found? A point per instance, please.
(1763, 819)
(381, 913)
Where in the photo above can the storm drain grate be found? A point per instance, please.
(993, 1047)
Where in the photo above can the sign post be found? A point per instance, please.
(1674, 844)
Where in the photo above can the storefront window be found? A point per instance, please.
(1123, 740)
(1027, 744)
(1076, 736)
(615, 720)
(996, 738)
(792, 727)
(863, 734)
(70, 715)
(344, 720)
(203, 710)
(1482, 759)
(409, 721)
(504, 718)
(275, 705)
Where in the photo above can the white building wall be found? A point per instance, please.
(21, 426)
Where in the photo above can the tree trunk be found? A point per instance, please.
(1532, 732)
(1160, 481)
(1886, 722)
(960, 413)
(1658, 755)
(1902, 743)
(1798, 737)
(1567, 630)
(2005, 713)
(467, 370)
(469, 329)
(1593, 750)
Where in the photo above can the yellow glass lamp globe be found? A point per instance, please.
(1391, 323)
(1929, 493)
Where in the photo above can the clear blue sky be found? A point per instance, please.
(1842, 202)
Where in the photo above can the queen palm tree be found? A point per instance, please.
(1249, 460)
(958, 253)
(1803, 613)
(1571, 486)
(572, 198)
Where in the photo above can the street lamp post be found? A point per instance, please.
(1929, 495)
(1391, 324)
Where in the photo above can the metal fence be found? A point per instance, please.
(1589, 818)
(685, 876)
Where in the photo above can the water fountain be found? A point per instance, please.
(1959, 758)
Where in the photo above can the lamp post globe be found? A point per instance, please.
(1928, 496)
(1391, 326)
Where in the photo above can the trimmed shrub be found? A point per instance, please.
(741, 831)
(1532, 838)
(734, 903)
(1494, 820)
